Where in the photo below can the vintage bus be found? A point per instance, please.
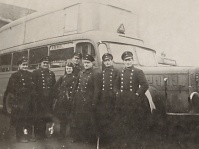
(96, 28)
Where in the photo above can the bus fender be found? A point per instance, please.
(194, 102)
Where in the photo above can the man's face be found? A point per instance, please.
(69, 70)
(108, 62)
(45, 64)
(23, 66)
(76, 60)
(128, 62)
(88, 64)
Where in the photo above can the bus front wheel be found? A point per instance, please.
(7, 103)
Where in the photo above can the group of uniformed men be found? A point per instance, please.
(109, 105)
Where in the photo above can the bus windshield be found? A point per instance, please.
(146, 57)
(142, 56)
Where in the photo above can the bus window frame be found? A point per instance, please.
(75, 42)
(60, 43)
(47, 46)
(12, 64)
(94, 47)
(136, 56)
(156, 62)
(11, 60)
(107, 46)
(110, 51)
(85, 42)
(38, 64)
(100, 56)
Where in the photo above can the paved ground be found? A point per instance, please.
(178, 138)
(46, 144)
(66, 144)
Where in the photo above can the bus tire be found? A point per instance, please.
(7, 103)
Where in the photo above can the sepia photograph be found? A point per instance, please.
(99, 74)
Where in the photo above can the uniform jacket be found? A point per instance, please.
(77, 69)
(85, 95)
(87, 87)
(63, 90)
(107, 99)
(132, 80)
(131, 110)
(21, 86)
(106, 105)
(108, 80)
(44, 81)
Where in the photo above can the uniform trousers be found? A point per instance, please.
(84, 119)
(43, 115)
(132, 113)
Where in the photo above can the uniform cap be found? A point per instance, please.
(127, 54)
(22, 60)
(89, 57)
(107, 56)
(45, 58)
(78, 54)
(69, 64)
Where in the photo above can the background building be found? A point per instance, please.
(9, 13)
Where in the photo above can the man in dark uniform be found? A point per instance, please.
(44, 80)
(21, 86)
(131, 102)
(106, 105)
(77, 59)
(85, 97)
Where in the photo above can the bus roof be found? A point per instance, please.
(92, 36)
(74, 19)
(37, 14)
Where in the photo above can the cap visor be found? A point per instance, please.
(128, 58)
(106, 59)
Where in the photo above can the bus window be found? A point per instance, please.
(36, 55)
(59, 54)
(102, 49)
(142, 54)
(16, 57)
(5, 62)
(85, 48)
(118, 49)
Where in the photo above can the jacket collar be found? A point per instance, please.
(129, 68)
(20, 70)
(88, 70)
(76, 65)
(109, 68)
(68, 75)
(45, 69)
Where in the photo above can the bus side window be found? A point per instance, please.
(85, 48)
(35, 56)
(5, 62)
(16, 57)
(102, 50)
(60, 55)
